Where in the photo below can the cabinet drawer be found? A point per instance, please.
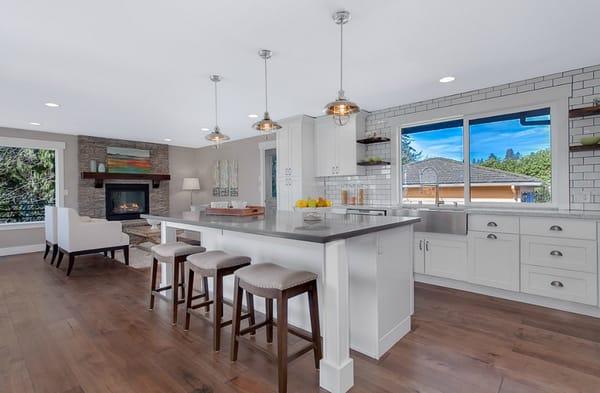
(502, 224)
(570, 254)
(560, 284)
(559, 227)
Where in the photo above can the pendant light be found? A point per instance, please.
(341, 109)
(216, 136)
(266, 125)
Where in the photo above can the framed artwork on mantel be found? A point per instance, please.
(225, 178)
(127, 160)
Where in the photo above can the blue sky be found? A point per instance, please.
(485, 138)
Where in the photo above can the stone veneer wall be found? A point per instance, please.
(91, 200)
(584, 166)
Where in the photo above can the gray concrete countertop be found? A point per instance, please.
(290, 225)
(578, 214)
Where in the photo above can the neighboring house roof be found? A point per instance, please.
(452, 172)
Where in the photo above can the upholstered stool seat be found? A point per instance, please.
(272, 276)
(216, 264)
(175, 254)
(273, 281)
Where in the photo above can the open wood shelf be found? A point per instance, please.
(582, 112)
(375, 163)
(377, 139)
(99, 177)
(584, 147)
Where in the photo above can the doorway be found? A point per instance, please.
(270, 183)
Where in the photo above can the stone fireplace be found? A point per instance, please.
(93, 201)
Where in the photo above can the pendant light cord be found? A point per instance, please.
(341, 55)
(266, 100)
(216, 107)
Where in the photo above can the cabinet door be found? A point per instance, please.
(283, 153)
(325, 147)
(419, 254)
(446, 257)
(494, 259)
(283, 193)
(295, 148)
(345, 146)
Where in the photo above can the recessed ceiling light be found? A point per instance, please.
(52, 105)
(33, 123)
(205, 129)
(447, 79)
(167, 139)
(253, 115)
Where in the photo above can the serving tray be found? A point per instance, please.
(247, 211)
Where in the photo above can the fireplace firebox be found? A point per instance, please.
(126, 201)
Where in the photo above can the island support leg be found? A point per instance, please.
(336, 367)
(167, 234)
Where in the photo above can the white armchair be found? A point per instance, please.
(79, 235)
(51, 232)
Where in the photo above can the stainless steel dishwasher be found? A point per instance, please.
(367, 212)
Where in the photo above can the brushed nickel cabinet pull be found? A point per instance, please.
(492, 224)
(556, 253)
(427, 245)
(492, 236)
(557, 284)
(421, 245)
(556, 228)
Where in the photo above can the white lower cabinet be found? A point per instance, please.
(441, 255)
(561, 284)
(493, 259)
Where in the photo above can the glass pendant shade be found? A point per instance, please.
(216, 136)
(266, 125)
(341, 109)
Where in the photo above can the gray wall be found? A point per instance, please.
(246, 152)
(21, 237)
(183, 162)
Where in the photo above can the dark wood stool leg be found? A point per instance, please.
(190, 294)
(313, 302)
(71, 262)
(282, 330)
(126, 255)
(236, 319)
(269, 310)
(205, 288)
(250, 304)
(153, 281)
(47, 250)
(54, 253)
(182, 282)
(175, 291)
(61, 254)
(218, 311)
(112, 254)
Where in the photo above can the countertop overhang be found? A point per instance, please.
(290, 225)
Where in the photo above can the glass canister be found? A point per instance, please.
(361, 195)
(344, 195)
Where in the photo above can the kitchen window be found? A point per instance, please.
(510, 158)
(433, 163)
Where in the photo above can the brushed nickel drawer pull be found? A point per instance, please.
(557, 284)
(492, 236)
(556, 253)
(556, 228)
(492, 224)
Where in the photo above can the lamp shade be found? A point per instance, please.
(191, 184)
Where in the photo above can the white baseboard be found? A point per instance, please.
(22, 249)
(393, 336)
(562, 305)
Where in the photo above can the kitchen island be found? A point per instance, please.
(365, 273)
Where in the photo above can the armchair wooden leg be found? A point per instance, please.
(153, 281)
(71, 262)
(47, 250)
(126, 254)
(54, 253)
(105, 253)
(61, 254)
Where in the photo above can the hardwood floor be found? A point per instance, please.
(92, 332)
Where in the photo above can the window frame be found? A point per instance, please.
(555, 98)
(59, 152)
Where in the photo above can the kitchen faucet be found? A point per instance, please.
(435, 183)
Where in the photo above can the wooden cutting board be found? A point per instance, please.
(247, 211)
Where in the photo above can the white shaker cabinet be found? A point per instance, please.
(440, 255)
(494, 259)
(336, 150)
(295, 161)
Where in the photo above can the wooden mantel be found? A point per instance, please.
(99, 177)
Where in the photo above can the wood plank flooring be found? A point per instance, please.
(93, 332)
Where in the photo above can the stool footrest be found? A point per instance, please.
(166, 288)
(255, 345)
(300, 352)
(165, 297)
(252, 328)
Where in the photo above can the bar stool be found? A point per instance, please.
(216, 264)
(272, 281)
(174, 253)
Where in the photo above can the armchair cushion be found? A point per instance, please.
(77, 235)
(50, 224)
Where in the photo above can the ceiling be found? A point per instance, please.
(139, 69)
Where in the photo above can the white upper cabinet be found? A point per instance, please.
(335, 146)
(295, 161)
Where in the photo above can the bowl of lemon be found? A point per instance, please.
(313, 209)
